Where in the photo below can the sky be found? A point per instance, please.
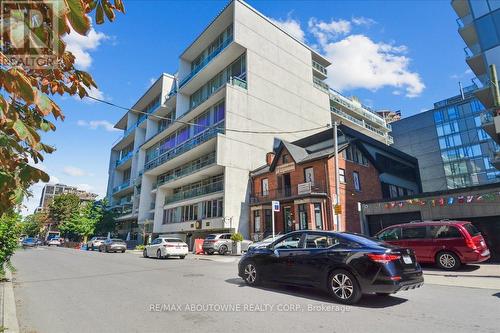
(399, 55)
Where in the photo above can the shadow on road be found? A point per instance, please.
(368, 301)
(463, 268)
(497, 295)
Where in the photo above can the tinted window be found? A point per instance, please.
(355, 240)
(319, 241)
(173, 240)
(444, 231)
(471, 229)
(390, 234)
(414, 232)
(117, 240)
(291, 242)
(211, 237)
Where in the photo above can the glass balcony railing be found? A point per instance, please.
(196, 192)
(186, 146)
(363, 111)
(462, 22)
(319, 68)
(124, 158)
(187, 169)
(129, 130)
(486, 118)
(122, 186)
(205, 61)
(320, 84)
(357, 121)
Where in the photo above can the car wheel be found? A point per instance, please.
(145, 253)
(222, 250)
(447, 261)
(158, 254)
(123, 251)
(344, 287)
(210, 252)
(100, 249)
(251, 274)
(182, 257)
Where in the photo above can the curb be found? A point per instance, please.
(9, 316)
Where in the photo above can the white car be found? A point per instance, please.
(164, 247)
(54, 241)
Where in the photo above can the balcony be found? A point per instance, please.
(364, 111)
(187, 170)
(287, 193)
(121, 187)
(495, 160)
(202, 190)
(467, 30)
(490, 121)
(186, 146)
(361, 123)
(206, 61)
(320, 70)
(461, 7)
(320, 85)
(124, 159)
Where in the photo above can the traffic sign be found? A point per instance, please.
(276, 206)
(338, 209)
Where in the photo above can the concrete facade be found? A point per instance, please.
(242, 80)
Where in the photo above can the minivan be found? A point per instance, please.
(447, 244)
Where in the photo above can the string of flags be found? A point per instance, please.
(445, 201)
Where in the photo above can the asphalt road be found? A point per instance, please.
(65, 290)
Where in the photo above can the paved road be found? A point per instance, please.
(65, 290)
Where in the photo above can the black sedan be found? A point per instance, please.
(113, 245)
(347, 265)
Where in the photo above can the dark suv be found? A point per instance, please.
(447, 244)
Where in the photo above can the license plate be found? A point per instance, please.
(407, 260)
(177, 247)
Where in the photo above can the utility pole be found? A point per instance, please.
(337, 186)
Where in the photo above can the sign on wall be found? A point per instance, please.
(276, 206)
(285, 168)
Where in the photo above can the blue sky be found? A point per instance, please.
(399, 55)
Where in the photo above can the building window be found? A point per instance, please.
(285, 158)
(341, 175)
(353, 154)
(302, 217)
(318, 217)
(268, 220)
(256, 221)
(357, 181)
(309, 175)
(265, 187)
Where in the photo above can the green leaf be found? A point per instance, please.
(44, 103)
(77, 17)
(20, 129)
(99, 14)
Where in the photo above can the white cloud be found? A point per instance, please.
(96, 124)
(359, 62)
(54, 180)
(152, 80)
(291, 26)
(81, 46)
(366, 21)
(74, 171)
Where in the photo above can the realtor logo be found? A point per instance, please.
(29, 31)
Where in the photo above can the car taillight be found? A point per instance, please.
(470, 243)
(169, 245)
(383, 258)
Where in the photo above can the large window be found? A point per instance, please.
(256, 221)
(357, 181)
(302, 216)
(353, 154)
(318, 217)
(265, 187)
(202, 210)
(291, 242)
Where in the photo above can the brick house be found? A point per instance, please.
(301, 175)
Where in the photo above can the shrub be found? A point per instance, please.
(9, 238)
(140, 247)
(237, 237)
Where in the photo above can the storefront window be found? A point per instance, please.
(302, 217)
(318, 219)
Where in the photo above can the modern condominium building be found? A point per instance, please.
(51, 190)
(479, 26)
(182, 165)
(452, 148)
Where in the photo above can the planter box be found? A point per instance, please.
(236, 248)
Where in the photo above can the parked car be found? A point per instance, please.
(165, 247)
(447, 244)
(222, 244)
(344, 264)
(30, 242)
(113, 245)
(54, 241)
(95, 242)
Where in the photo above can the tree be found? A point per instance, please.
(32, 224)
(83, 222)
(9, 235)
(25, 89)
(63, 207)
(107, 222)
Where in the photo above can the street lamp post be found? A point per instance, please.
(337, 186)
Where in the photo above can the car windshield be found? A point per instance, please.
(173, 240)
(29, 240)
(115, 240)
(471, 229)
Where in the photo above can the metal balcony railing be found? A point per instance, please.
(289, 192)
(319, 67)
(205, 61)
(364, 111)
(186, 170)
(357, 121)
(122, 186)
(196, 192)
(186, 146)
(124, 158)
(320, 84)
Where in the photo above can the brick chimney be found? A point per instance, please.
(269, 158)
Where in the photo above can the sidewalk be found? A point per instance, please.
(8, 316)
(486, 276)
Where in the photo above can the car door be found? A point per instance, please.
(284, 267)
(445, 237)
(153, 247)
(312, 258)
(416, 238)
(392, 236)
